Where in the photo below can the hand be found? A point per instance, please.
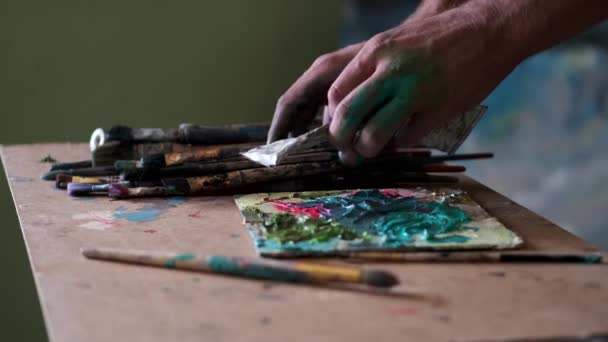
(412, 78)
(298, 106)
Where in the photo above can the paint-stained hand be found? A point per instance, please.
(297, 107)
(412, 78)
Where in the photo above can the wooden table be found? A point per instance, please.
(85, 300)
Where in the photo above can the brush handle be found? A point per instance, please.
(185, 134)
(89, 172)
(479, 256)
(72, 165)
(208, 153)
(233, 179)
(443, 168)
(296, 272)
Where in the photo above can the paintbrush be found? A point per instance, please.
(236, 179)
(185, 134)
(140, 170)
(121, 191)
(292, 272)
(200, 154)
(232, 179)
(480, 256)
(313, 182)
(110, 152)
(407, 161)
(197, 185)
(72, 165)
(61, 180)
(87, 189)
(101, 171)
(443, 168)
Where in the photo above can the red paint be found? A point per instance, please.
(394, 193)
(100, 219)
(402, 311)
(314, 212)
(195, 214)
(150, 231)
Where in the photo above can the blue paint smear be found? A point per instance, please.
(175, 201)
(148, 212)
(143, 214)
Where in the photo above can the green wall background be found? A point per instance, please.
(67, 67)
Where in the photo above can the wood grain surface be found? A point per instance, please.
(85, 300)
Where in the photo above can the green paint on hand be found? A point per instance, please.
(180, 257)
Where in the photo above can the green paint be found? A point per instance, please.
(245, 268)
(364, 215)
(288, 228)
(180, 257)
(592, 259)
(411, 81)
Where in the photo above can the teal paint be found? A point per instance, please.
(143, 214)
(245, 268)
(592, 259)
(397, 220)
(180, 257)
(175, 201)
(148, 212)
(360, 220)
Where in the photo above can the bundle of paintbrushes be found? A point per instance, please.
(203, 160)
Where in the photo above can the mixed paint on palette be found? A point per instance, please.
(335, 222)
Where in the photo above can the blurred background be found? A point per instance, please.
(67, 67)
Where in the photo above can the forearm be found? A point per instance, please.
(531, 26)
(433, 7)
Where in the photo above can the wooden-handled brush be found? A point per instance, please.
(186, 134)
(292, 272)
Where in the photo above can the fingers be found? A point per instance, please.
(352, 112)
(355, 73)
(298, 106)
(394, 114)
(381, 128)
(326, 115)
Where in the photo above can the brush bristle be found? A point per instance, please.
(116, 190)
(379, 278)
(61, 181)
(50, 176)
(79, 189)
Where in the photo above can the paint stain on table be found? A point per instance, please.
(104, 220)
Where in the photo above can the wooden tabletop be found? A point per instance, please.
(85, 300)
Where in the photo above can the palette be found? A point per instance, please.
(347, 221)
